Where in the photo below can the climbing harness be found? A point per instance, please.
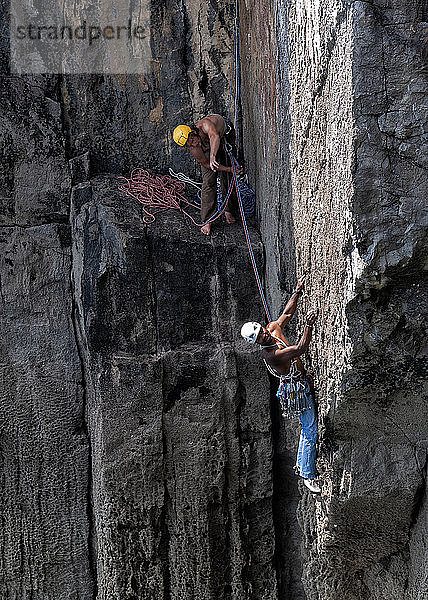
(294, 391)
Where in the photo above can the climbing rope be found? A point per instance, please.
(185, 179)
(157, 193)
(247, 237)
(236, 79)
(247, 194)
(154, 192)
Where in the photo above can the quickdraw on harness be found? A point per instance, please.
(294, 391)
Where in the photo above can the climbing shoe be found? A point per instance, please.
(312, 485)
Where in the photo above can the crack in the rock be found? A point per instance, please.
(65, 117)
(154, 298)
(187, 32)
(35, 226)
(419, 498)
(82, 356)
(165, 535)
(217, 289)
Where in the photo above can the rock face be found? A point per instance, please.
(137, 432)
(178, 412)
(343, 186)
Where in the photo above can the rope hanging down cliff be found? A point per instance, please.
(236, 76)
(159, 193)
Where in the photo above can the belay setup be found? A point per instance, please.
(157, 193)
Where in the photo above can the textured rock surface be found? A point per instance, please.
(135, 446)
(45, 454)
(126, 121)
(178, 414)
(348, 138)
(44, 445)
(136, 439)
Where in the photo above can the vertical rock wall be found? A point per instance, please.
(135, 436)
(351, 155)
(178, 414)
(126, 121)
(45, 457)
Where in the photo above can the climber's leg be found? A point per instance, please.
(225, 178)
(306, 453)
(208, 197)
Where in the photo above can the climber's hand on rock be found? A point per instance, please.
(311, 317)
(300, 284)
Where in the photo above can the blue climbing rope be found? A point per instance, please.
(235, 78)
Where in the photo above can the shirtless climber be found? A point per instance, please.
(295, 391)
(206, 143)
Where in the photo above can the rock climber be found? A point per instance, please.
(295, 390)
(206, 143)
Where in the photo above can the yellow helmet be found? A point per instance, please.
(181, 134)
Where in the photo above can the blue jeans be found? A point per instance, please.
(307, 450)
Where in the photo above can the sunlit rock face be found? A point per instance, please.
(342, 174)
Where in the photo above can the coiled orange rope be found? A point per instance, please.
(160, 192)
(154, 192)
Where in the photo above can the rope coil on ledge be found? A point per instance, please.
(155, 193)
(161, 192)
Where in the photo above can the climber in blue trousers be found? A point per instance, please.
(295, 390)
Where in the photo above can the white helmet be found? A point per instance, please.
(250, 331)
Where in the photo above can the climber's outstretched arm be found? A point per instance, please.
(291, 305)
(301, 347)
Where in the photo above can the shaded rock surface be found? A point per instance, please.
(178, 412)
(133, 425)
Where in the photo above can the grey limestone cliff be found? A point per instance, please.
(344, 184)
(142, 454)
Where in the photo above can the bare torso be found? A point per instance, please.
(274, 359)
(216, 120)
(200, 147)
